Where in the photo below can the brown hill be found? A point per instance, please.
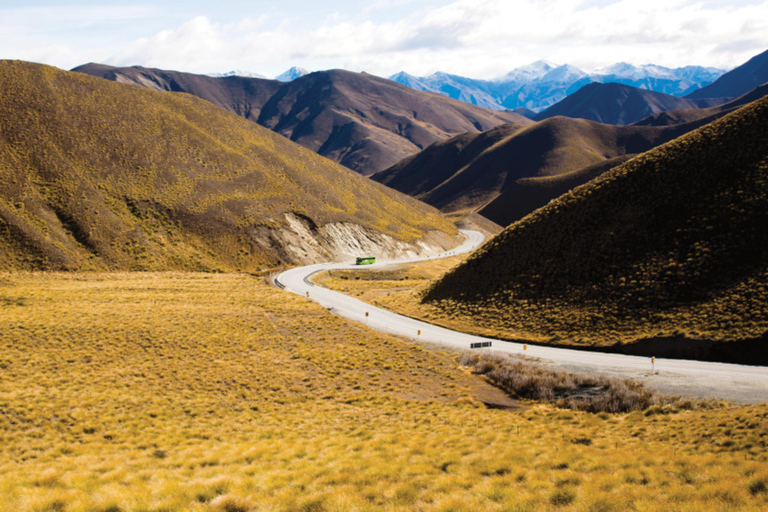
(738, 81)
(241, 95)
(707, 114)
(361, 121)
(509, 171)
(95, 174)
(619, 104)
(671, 245)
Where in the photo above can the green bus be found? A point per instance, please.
(365, 260)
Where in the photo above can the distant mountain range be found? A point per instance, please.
(621, 104)
(237, 72)
(287, 76)
(542, 84)
(362, 121)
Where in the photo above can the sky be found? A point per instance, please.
(475, 38)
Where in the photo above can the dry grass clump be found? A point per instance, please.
(200, 392)
(594, 393)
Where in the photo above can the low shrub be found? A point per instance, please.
(594, 393)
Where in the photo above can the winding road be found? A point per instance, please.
(738, 383)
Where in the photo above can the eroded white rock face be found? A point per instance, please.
(303, 242)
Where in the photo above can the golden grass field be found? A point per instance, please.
(192, 391)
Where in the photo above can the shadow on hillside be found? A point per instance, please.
(751, 351)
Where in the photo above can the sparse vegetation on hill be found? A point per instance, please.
(182, 391)
(100, 175)
(671, 244)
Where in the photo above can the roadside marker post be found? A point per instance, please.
(653, 365)
(307, 294)
(418, 333)
(525, 347)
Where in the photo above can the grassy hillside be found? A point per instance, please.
(362, 121)
(670, 244)
(509, 171)
(202, 392)
(100, 175)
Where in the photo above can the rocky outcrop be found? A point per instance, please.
(302, 241)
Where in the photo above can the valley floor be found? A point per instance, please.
(184, 391)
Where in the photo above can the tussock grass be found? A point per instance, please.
(260, 400)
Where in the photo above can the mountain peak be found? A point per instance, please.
(292, 74)
(564, 73)
(530, 71)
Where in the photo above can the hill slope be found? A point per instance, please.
(620, 104)
(672, 243)
(707, 114)
(509, 171)
(738, 81)
(364, 122)
(96, 174)
(245, 96)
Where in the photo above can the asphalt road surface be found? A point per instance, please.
(738, 383)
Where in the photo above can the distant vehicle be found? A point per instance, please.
(365, 260)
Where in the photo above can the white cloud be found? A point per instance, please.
(481, 38)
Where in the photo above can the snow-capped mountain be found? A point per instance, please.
(292, 74)
(677, 81)
(541, 84)
(527, 73)
(237, 72)
(468, 90)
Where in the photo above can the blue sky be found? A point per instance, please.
(478, 38)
